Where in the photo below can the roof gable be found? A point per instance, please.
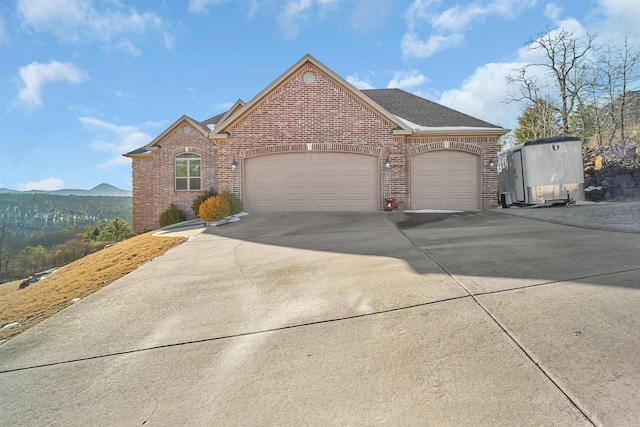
(290, 73)
(146, 150)
(154, 145)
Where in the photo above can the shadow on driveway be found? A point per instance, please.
(485, 251)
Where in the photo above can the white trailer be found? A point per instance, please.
(545, 171)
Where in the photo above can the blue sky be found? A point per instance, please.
(84, 81)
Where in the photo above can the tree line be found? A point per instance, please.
(38, 213)
(41, 231)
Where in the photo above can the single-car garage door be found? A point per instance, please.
(311, 181)
(445, 180)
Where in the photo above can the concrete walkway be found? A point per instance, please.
(348, 319)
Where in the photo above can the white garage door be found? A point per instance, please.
(311, 181)
(445, 180)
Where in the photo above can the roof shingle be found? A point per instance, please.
(422, 111)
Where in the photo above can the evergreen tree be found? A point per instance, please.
(539, 120)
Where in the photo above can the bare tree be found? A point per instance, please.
(609, 114)
(565, 65)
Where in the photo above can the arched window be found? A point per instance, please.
(187, 172)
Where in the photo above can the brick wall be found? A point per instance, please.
(143, 203)
(323, 114)
(154, 178)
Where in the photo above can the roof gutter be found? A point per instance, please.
(138, 156)
(460, 132)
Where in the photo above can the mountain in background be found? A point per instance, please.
(100, 190)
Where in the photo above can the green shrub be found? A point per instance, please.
(234, 202)
(173, 215)
(214, 209)
(201, 198)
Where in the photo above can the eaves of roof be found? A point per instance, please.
(139, 152)
(420, 130)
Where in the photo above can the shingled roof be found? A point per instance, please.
(211, 121)
(421, 111)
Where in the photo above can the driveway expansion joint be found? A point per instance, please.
(555, 282)
(499, 324)
(239, 335)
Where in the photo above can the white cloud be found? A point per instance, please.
(79, 20)
(359, 82)
(169, 41)
(458, 17)
(417, 13)
(224, 106)
(482, 95)
(552, 11)
(127, 45)
(114, 139)
(47, 184)
(619, 19)
(202, 6)
(291, 16)
(448, 26)
(371, 14)
(407, 79)
(35, 75)
(412, 47)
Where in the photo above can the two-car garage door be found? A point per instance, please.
(311, 181)
(445, 180)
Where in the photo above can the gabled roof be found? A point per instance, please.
(210, 124)
(154, 144)
(307, 59)
(213, 121)
(411, 114)
(195, 124)
(420, 111)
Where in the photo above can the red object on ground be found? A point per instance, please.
(389, 207)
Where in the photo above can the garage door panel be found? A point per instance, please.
(311, 181)
(445, 180)
(291, 204)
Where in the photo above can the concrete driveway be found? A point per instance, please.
(348, 319)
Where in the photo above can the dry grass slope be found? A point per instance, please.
(77, 280)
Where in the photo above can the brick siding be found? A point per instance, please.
(294, 117)
(323, 114)
(154, 178)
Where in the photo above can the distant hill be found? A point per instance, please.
(103, 189)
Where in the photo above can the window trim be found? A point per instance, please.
(188, 158)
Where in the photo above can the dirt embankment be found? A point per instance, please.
(26, 307)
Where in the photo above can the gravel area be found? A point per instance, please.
(609, 216)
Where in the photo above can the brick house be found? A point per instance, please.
(312, 141)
